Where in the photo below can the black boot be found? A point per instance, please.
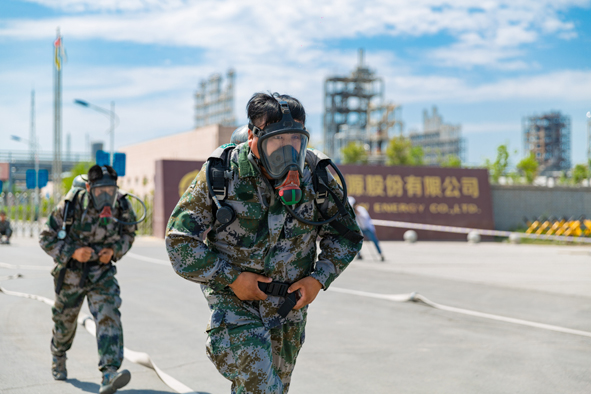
(58, 368)
(113, 380)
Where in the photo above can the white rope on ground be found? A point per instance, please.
(415, 297)
(139, 358)
(87, 322)
(466, 230)
(148, 259)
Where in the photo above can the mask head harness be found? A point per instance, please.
(103, 190)
(282, 149)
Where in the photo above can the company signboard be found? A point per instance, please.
(430, 195)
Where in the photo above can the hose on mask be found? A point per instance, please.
(340, 204)
(137, 221)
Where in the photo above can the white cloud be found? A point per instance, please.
(154, 101)
(282, 47)
(488, 34)
(560, 86)
(77, 6)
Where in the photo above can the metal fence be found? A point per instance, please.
(27, 220)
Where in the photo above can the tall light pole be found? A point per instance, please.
(57, 117)
(111, 114)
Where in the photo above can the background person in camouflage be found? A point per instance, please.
(5, 230)
(84, 260)
(248, 342)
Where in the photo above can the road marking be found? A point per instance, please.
(148, 259)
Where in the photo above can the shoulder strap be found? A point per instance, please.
(342, 229)
(124, 204)
(220, 172)
(69, 209)
(318, 163)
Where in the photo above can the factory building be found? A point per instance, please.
(355, 111)
(548, 137)
(438, 139)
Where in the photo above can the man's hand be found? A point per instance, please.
(82, 254)
(105, 255)
(308, 287)
(246, 286)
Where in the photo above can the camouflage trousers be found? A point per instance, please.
(257, 360)
(102, 292)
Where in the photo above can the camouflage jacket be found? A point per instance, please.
(4, 225)
(267, 241)
(87, 230)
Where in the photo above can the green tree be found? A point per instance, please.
(400, 152)
(580, 172)
(498, 168)
(79, 169)
(354, 153)
(529, 168)
(564, 179)
(451, 161)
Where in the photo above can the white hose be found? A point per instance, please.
(415, 297)
(139, 358)
(88, 323)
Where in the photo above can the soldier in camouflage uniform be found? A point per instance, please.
(248, 341)
(5, 229)
(84, 255)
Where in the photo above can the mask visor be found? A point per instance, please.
(103, 196)
(282, 150)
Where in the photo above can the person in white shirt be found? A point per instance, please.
(367, 227)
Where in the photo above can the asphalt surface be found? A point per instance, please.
(354, 344)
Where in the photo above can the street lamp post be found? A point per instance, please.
(113, 117)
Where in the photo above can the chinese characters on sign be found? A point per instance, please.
(411, 186)
(429, 195)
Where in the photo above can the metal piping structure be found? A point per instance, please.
(439, 140)
(548, 137)
(354, 110)
(214, 105)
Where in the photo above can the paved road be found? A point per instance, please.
(353, 344)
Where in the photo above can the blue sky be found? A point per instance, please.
(485, 64)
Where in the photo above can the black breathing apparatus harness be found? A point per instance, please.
(218, 173)
(71, 203)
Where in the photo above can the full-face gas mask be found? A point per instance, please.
(103, 193)
(282, 149)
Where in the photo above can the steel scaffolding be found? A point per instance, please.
(439, 140)
(214, 104)
(349, 102)
(548, 137)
